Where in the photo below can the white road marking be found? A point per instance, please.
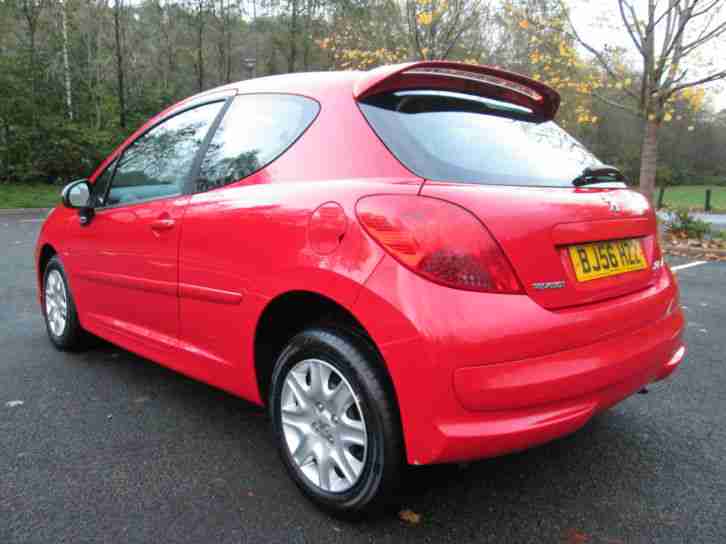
(31, 220)
(14, 403)
(689, 265)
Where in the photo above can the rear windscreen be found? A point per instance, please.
(449, 136)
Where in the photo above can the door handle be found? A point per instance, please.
(162, 224)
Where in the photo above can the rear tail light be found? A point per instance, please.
(439, 241)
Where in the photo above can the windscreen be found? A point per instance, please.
(450, 136)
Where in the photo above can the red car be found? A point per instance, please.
(409, 265)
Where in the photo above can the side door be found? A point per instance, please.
(126, 257)
(235, 229)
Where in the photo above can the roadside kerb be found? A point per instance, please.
(21, 211)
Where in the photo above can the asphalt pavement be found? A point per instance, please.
(104, 446)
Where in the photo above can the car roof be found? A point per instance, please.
(313, 84)
(542, 100)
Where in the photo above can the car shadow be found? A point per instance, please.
(605, 465)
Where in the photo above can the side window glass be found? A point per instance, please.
(254, 132)
(157, 163)
(98, 193)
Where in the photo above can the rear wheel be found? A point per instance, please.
(59, 310)
(335, 422)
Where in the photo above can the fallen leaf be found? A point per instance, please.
(410, 517)
(573, 536)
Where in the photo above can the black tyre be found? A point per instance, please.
(335, 421)
(59, 310)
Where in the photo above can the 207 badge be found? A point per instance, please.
(545, 285)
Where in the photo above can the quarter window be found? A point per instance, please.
(157, 164)
(254, 132)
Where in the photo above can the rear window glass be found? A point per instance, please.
(449, 136)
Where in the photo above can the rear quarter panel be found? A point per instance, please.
(253, 238)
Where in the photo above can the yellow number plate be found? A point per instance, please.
(603, 259)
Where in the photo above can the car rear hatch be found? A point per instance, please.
(536, 227)
(484, 139)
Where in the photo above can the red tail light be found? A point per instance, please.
(438, 240)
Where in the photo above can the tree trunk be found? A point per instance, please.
(33, 72)
(200, 45)
(292, 55)
(66, 62)
(228, 54)
(256, 37)
(307, 33)
(649, 158)
(119, 64)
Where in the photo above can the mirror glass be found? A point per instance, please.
(78, 195)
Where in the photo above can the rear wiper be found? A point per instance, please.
(601, 174)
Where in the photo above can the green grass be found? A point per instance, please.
(17, 195)
(694, 197)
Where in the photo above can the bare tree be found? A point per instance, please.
(224, 18)
(311, 7)
(293, 33)
(198, 13)
(666, 37)
(435, 27)
(31, 11)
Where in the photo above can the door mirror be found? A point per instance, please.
(77, 194)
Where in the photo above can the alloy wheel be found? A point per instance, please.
(56, 303)
(323, 425)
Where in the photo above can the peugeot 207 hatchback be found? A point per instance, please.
(409, 265)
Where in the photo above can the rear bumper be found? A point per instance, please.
(571, 374)
(478, 375)
(517, 405)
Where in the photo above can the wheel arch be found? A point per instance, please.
(44, 256)
(289, 313)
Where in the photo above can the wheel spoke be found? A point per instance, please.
(296, 420)
(352, 435)
(342, 463)
(303, 452)
(325, 467)
(341, 399)
(325, 372)
(298, 390)
(316, 381)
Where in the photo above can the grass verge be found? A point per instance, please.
(24, 195)
(693, 197)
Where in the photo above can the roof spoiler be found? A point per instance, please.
(480, 80)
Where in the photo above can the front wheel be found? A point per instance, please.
(59, 309)
(335, 421)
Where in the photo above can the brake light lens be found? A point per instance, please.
(438, 240)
